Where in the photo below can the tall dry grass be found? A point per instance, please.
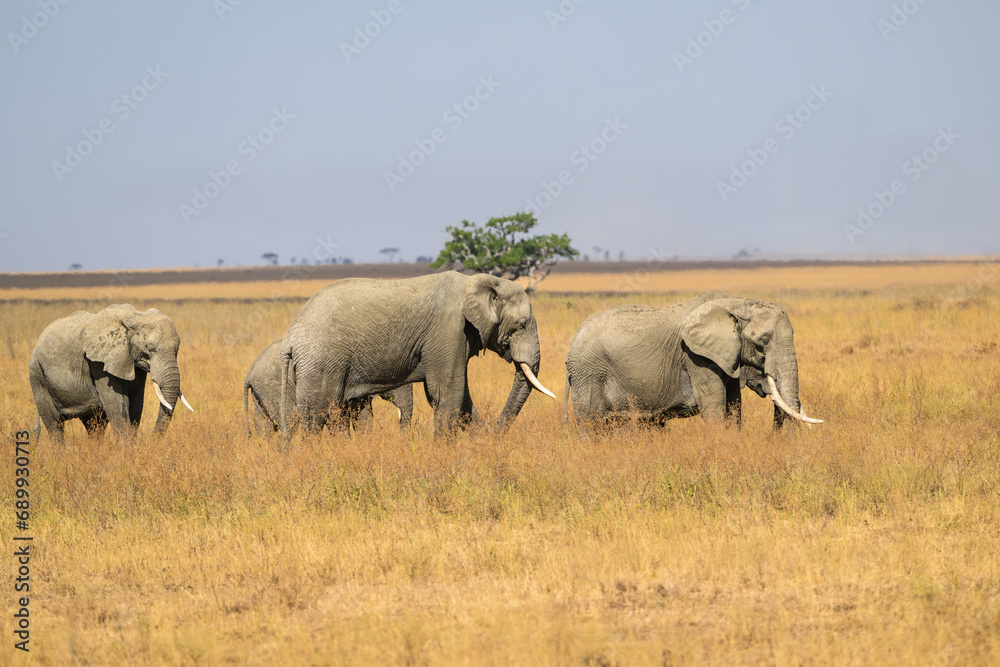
(872, 538)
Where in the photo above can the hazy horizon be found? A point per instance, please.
(170, 137)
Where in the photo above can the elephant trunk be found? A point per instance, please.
(515, 400)
(167, 378)
(526, 355)
(781, 370)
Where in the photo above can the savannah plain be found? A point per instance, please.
(873, 538)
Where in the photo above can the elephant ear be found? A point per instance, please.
(710, 331)
(105, 339)
(479, 305)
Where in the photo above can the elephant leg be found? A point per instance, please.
(710, 392)
(345, 417)
(48, 414)
(579, 394)
(469, 414)
(262, 422)
(448, 388)
(95, 423)
(318, 398)
(402, 398)
(734, 406)
(114, 399)
(591, 400)
(55, 428)
(359, 414)
(427, 395)
(136, 397)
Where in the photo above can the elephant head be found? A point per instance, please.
(500, 312)
(750, 340)
(123, 339)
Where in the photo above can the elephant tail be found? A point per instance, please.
(286, 360)
(246, 404)
(566, 391)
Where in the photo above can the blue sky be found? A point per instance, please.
(140, 135)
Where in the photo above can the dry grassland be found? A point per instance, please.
(871, 539)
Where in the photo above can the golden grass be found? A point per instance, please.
(873, 538)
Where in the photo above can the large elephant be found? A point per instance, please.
(358, 337)
(93, 367)
(687, 359)
(263, 384)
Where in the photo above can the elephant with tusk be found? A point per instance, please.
(262, 387)
(358, 337)
(684, 360)
(93, 367)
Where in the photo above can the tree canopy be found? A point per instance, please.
(502, 248)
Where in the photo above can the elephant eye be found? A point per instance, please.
(765, 339)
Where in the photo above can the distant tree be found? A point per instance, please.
(270, 258)
(389, 252)
(502, 248)
(220, 262)
(744, 254)
(346, 260)
(424, 259)
(75, 267)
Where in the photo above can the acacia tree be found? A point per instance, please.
(502, 248)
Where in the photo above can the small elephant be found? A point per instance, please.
(684, 360)
(263, 383)
(358, 337)
(93, 367)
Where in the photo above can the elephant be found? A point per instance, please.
(93, 367)
(357, 337)
(684, 360)
(263, 384)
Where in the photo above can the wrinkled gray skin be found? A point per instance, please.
(93, 367)
(359, 337)
(680, 361)
(263, 384)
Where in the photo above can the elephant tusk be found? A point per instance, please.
(776, 397)
(186, 404)
(159, 395)
(534, 381)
